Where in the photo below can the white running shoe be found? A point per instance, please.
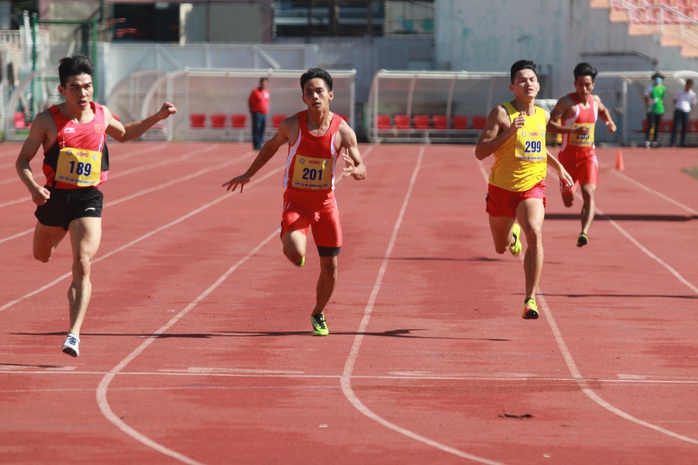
(71, 346)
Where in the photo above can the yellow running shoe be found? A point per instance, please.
(530, 310)
(300, 263)
(319, 325)
(515, 249)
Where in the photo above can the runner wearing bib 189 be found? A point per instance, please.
(76, 161)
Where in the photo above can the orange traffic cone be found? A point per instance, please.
(619, 160)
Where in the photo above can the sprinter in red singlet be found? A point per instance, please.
(315, 137)
(574, 116)
(76, 162)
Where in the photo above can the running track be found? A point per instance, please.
(197, 349)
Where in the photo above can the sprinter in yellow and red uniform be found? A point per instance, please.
(515, 134)
(76, 161)
(315, 138)
(574, 116)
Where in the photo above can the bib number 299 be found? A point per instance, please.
(533, 146)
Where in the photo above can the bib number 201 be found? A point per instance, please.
(312, 174)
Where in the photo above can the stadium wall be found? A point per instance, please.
(490, 36)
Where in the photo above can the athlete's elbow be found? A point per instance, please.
(481, 154)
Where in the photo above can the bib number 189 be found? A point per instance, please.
(80, 168)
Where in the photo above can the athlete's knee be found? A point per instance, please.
(82, 266)
(534, 236)
(329, 267)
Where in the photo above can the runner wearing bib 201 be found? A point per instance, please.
(74, 166)
(309, 200)
(577, 152)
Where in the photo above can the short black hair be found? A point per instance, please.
(313, 73)
(522, 64)
(689, 81)
(74, 65)
(585, 69)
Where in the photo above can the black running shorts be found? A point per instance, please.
(66, 205)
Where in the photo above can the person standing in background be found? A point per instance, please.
(258, 104)
(654, 102)
(684, 99)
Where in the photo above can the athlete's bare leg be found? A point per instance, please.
(500, 227)
(325, 283)
(85, 237)
(531, 214)
(589, 206)
(46, 239)
(294, 243)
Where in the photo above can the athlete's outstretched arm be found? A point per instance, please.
(129, 131)
(268, 150)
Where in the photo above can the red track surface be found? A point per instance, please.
(197, 346)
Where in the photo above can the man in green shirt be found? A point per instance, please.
(654, 102)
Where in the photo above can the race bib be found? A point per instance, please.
(530, 146)
(78, 167)
(312, 173)
(582, 140)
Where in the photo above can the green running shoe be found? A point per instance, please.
(516, 248)
(530, 310)
(319, 325)
(582, 240)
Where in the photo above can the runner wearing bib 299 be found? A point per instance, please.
(514, 134)
(315, 137)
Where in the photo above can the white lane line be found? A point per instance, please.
(356, 346)
(102, 400)
(654, 192)
(144, 191)
(637, 243)
(584, 386)
(647, 252)
(200, 372)
(103, 387)
(141, 238)
(572, 366)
